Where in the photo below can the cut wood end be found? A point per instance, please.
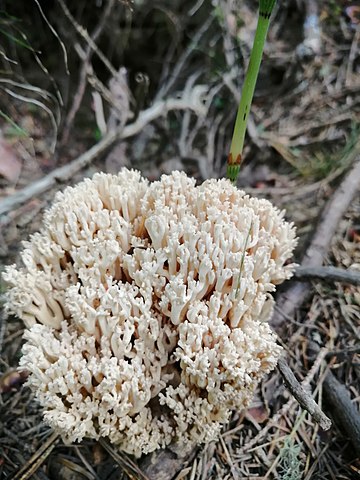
(325, 422)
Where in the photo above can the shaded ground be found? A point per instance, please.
(303, 136)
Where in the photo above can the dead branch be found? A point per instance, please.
(84, 34)
(193, 100)
(287, 406)
(57, 175)
(343, 353)
(293, 298)
(343, 410)
(83, 72)
(304, 399)
(331, 216)
(329, 274)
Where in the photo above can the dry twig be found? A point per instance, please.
(83, 72)
(304, 399)
(343, 410)
(124, 461)
(287, 406)
(329, 274)
(192, 101)
(293, 298)
(89, 40)
(37, 459)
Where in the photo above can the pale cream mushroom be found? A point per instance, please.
(146, 307)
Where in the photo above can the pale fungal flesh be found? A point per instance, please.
(146, 307)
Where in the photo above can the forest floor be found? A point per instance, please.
(71, 79)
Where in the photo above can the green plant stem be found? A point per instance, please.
(237, 144)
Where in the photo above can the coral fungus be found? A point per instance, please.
(146, 306)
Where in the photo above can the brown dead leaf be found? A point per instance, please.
(12, 380)
(98, 454)
(10, 165)
(353, 13)
(259, 414)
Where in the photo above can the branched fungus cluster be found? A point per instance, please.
(146, 307)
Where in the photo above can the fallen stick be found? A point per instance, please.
(37, 459)
(343, 410)
(192, 101)
(294, 296)
(329, 274)
(304, 399)
(274, 421)
(57, 175)
(343, 353)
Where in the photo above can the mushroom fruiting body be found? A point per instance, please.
(146, 307)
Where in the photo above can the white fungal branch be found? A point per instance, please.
(137, 327)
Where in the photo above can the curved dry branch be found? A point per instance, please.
(328, 274)
(343, 410)
(304, 399)
(192, 100)
(292, 299)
